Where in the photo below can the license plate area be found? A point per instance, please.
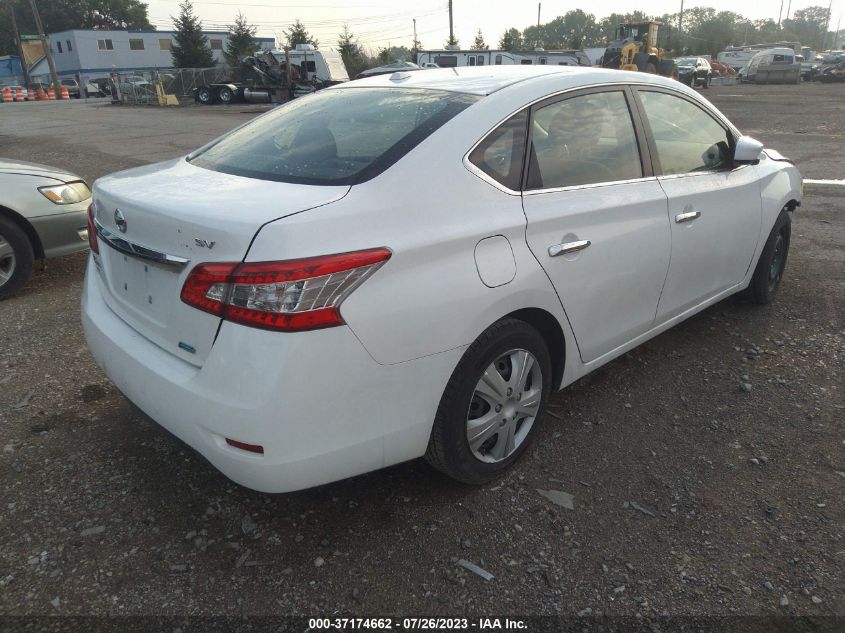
(147, 289)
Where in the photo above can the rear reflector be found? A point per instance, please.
(289, 296)
(252, 448)
(92, 231)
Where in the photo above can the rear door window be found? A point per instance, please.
(334, 137)
(583, 140)
(500, 155)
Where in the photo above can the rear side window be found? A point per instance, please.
(500, 155)
(687, 138)
(583, 140)
(334, 137)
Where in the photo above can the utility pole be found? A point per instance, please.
(788, 9)
(537, 43)
(780, 13)
(451, 32)
(17, 35)
(415, 41)
(47, 52)
(681, 28)
(827, 24)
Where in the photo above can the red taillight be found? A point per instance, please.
(295, 295)
(92, 230)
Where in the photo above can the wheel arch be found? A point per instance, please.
(551, 331)
(26, 227)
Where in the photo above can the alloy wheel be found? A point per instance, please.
(7, 261)
(504, 406)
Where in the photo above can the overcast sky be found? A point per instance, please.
(378, 23)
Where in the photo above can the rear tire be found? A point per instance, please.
(226, 96)
(205, 95)
(772, 263)
(504, 417)
(16, 258)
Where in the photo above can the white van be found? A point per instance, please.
(773, 66)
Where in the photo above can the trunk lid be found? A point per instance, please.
(192, 215)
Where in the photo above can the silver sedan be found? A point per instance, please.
(42, 215)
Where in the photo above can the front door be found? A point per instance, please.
(715, 210)
(596, 217)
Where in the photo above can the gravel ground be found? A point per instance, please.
(691, 493)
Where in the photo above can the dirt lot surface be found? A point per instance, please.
(692, 496)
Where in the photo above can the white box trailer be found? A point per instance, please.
(446, 58)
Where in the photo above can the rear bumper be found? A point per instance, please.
(320, 406)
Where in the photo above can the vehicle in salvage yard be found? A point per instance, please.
(833, 73)
(42, 215)
(293, 302)
(694, 71)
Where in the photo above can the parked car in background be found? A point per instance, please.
(387, 69)
(296, 304)
(72, 87)
(42, 215)
(719, 69)
(694, 71)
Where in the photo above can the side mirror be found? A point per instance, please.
(747, 151)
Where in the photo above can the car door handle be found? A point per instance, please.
(568, 247)
(687, 217)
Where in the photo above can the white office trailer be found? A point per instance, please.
(97, 53)
(446, 58)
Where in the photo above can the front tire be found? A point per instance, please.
(16, 258)
(493, 403)
(772, 263)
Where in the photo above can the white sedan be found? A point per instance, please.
(297, 304)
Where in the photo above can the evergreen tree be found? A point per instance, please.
(452, 41)
(479, 44)
(190, 47)
(350, 51)
(511, 40)
(241, 41)
(297, 34)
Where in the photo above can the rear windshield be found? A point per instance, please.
(334, 137)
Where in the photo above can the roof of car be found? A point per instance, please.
(485, 80)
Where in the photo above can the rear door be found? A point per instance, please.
(715, 209)
(596, 216)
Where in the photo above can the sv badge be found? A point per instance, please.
(204, 243)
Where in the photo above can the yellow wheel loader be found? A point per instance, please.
(634, 47)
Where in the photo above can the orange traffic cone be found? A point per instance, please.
(65, 93)
(7, 94)
(51, 94)
(19, 95)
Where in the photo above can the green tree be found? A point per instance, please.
(574, 29)
(63, 15)
(298, 34)
(479, 44)
(351, 53)
(607, 26)
(452, 41)
(190, 47)
(511, 40)
(241, 40)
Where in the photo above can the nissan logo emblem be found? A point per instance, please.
(120, 220)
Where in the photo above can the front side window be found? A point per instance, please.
(334, 137)
(500, 155)
(583, 140)
(687, 138)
